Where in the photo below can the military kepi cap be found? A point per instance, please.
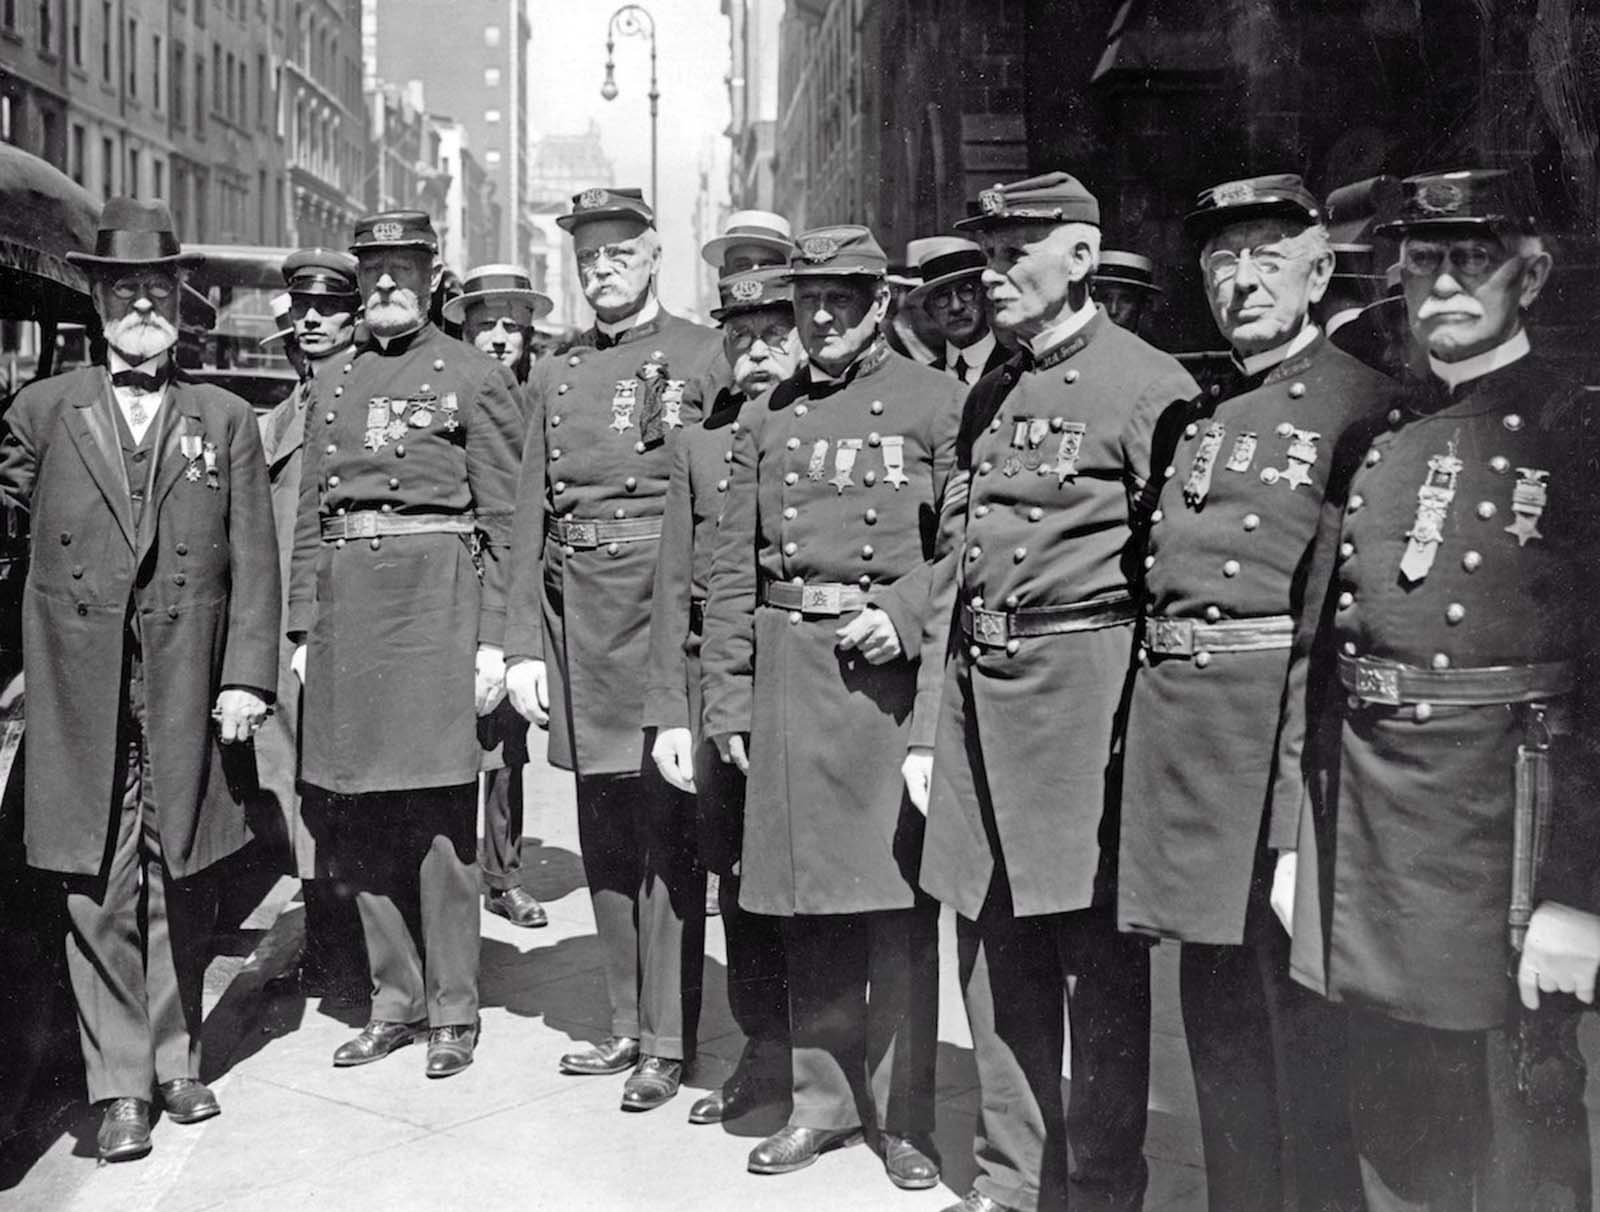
(603, 203)
(1121, 268)
(1051, 198)
(135, 233)
(753, 290)
(320, 271)
(395, 229)
(846, 250)
(1279, 194)
(1468, 197)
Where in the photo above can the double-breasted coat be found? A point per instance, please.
(1055, 458)
(594, 455)
(421, 427)
(1403, 818)
(1229, 540)
(834, 483)
(198, 580)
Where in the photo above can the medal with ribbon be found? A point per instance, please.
(1019, 441)
(208, 454)
(450, 406)
(844, 458)
(396, 428)
(894, 461)
(1528, 501)
(1243, 454)
(817, 468)
(653, 387)
(1433, 506)
(1067, 452)
(1198, 484)
(421, 411)
(191, 445)
(622, 404)
(377, 423)
(672, 404)
(1302, 454)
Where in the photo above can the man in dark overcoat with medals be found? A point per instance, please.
(761, 349)
(818, 602)
(602, 425)
(1035, 608)
(151, 606)
(1228, 541)
(397, 600)
(1437, 804)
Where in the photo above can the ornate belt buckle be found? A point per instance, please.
(989, 627)
(1376, 684)
(1172, 637)
(819, 599)
(361, 526)
(583, 534)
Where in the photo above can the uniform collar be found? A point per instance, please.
(1454, 374)
(1251, 365)
(1062, 330)
(647, 313)
(869, 360)
(401, 343)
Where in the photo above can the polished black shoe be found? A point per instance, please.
(377, 1039)
(977, 1201)
(450, 1048)
(741, 1094)
(908, 1166)
(655, 1080)
(611, 1055)
(791, 1148)
(124, 1130)
(188, 1101)
(517, 906)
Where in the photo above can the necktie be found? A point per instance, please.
(961, 367)
(138, 380)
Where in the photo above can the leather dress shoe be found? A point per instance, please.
(450, 1048)
(908, 1166)
(188, 1101)
(611, 1055)
(124, 1130)
(791, 1148)
(742, 1093)
(517, 905)
(377, 1039)
(653, 1082)
(977, 1201)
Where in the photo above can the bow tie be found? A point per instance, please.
(138, 379)
(604, 340)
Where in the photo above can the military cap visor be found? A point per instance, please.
(1281, 195)
(1051, 198)
(134, 233)
(320, 271)
(395, 229)
(1464, 199)
(844, 251)
(592, 205)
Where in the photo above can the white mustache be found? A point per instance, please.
(142, 336)
(1455, 306)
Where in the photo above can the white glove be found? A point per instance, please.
(297, 663)
(1281, 898)
(490, 686)
(238, 713)
(917, 770)
(674, 757)
(529, 691)
(1560, 954)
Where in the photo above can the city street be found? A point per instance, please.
(511, 1132)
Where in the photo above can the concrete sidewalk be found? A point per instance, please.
(512, 1133)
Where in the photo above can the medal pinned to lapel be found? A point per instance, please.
(396, 427)
(208, 454)
(817, 468)
(894, 461)
(191, 445)
(1019, 441)
(1433, 506)
(1302, 454)
(421, 411)
(1243, 454)
(1067, 452)
(1198, 484)
(672, 404)
(377, 423)
(622, 404)
(450, 407)
(1528, 501)
(844, 459)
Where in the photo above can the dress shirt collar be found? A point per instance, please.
(1454, 374)
(150, 366)
(975, 355)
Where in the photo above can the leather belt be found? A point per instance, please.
(571, 532)
(1394, 684)
(997, 628)
(697, 616)
(1191, 638)
(814, 597)
(371, 524)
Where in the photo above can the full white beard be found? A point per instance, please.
(399, 313)
(138, 338)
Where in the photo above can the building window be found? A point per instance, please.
(130, 48)
(244, 95)
(133, 172)
(77, 33)
(491, 116)
(491, 36)
(75, 164)
(227, 87)
(107, 28)
(216, 78)
(155, 71)
(46, 25)
(8, 14)
(48, 140)
(5, 117)
(199, 92)
(158, 179)
(492, 159)
(261, 92)
(108, 168)
(180, 69)
(491, 77)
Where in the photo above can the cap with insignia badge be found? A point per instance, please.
(1050, 198)
(753, 290)
(1468, 197)
(598, 203)
(1281, 194)
(843, 251)
(395, 229)
(1119, 268)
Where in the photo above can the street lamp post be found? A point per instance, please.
(634, 20)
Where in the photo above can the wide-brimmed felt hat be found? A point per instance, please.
(135, 233)
(1276, 194)
(754, 290)
(600, 202)
(320, 271)
(1049, 198)
(501, 283)
(1121, 268)
(761, 227)
(1482, 198)
(844, 250)
(943, 260)
(395, 229)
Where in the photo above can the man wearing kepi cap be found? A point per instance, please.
(1446, 694)
(1125, 284)
(952, 295)
(496, 312)
(397, 600)
(602, 426)
(150, 610)
(1227, 546)
(762, 350)
(1035, 611)
(819, 595)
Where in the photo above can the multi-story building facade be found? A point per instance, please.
(753, 28)
(323, 122)
(470, 232)
(563, 165)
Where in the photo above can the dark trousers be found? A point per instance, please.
(411, 857)
(502, 827)
(138, 939)
(1269, 1075)
(864, 1018)
(1014, 980)
(637, 835)
(1440, 1126)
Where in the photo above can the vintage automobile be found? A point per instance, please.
(239, 281)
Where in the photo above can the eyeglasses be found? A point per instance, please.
(772, 335)
(148, 288)
(617, 254)
(1221, 267)
(943, 298)
(1468, 259)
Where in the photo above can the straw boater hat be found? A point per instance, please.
(1119, 268)
(942, 260)
(135, 233)
(502, 283)
(761, 227)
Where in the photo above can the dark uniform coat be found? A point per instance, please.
(1202, 734)
(588, 458)
(828, 828)
(426, 426)
(1403, 891)
(200, 576)
(1056, 451)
